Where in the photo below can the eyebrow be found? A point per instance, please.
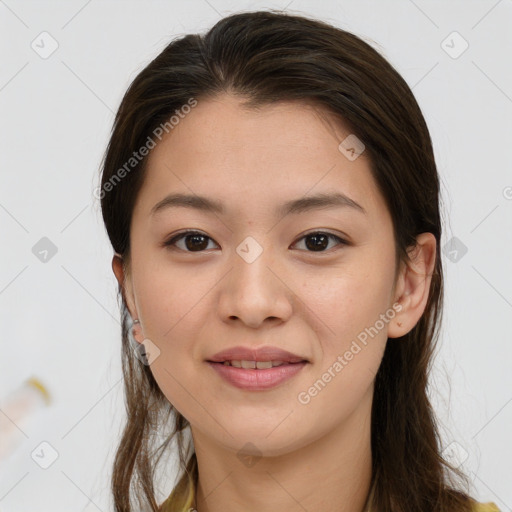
(295, 206)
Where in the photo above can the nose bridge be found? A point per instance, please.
(253, 292)
(251, 262)
(252, 276)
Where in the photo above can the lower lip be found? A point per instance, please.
(257, 380)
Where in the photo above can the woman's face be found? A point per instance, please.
(254, 279)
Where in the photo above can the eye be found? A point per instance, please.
(195, 241)
(317, 241)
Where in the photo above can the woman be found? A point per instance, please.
(272, 198)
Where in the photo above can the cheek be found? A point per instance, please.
(347, 301)
(351, 334)
(351, 339)
(169, 301)
(175, 309)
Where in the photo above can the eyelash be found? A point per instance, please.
(172, 241)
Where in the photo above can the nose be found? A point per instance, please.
(255, 292)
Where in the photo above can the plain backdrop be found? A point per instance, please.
(64, 68)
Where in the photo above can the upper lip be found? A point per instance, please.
(256, 354)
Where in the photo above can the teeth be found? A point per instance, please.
(261, 365)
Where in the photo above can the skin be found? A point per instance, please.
(314, 456)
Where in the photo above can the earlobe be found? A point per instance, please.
(414, 285)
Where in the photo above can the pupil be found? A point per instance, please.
(320, 241)
(194, 245)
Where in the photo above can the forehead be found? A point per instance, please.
(256, 158)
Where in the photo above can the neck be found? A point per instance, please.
(332, 473)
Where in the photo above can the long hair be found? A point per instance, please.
(265, 57)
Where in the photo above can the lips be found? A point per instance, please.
(262, 354)
(250, 379)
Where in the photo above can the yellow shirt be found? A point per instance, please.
(168, 506)
(486, 507)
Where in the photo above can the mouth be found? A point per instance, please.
(256, 368)
(249, 357)
(255, 365)
(256, 375)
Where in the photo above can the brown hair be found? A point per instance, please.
(266, 57)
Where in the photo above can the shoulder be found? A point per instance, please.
(485, 507)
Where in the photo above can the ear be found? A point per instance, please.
(413, 285)
(127, 291)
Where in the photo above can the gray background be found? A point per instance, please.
(59, 317)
